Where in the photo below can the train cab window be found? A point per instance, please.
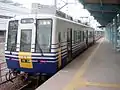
(43, 35)
(25, 41)
(12, 35)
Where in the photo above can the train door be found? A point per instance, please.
(60, 50)
(87, 37)
(26, 40)
(69, 44)
(93, 36)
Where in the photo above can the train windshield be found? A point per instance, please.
(12, 35)
(43, 37)
(25, 41)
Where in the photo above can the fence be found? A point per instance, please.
(2, 39)
(3, 71)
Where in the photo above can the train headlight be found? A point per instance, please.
(45, 22)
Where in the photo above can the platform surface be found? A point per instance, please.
(98, 68)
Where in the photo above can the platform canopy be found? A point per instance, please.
(103, 10)
(10, 2)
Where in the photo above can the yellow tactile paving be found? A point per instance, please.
(78, 76)
(108, 85)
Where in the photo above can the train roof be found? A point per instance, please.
(47, 16)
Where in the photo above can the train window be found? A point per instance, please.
(43, 35)
(82, 38)
(59, 37)
(79, 36)
(75, 36)
(12, 35)
(90, 34)
(64, 35)
(25, 41)
(27, 20)
(84, 35)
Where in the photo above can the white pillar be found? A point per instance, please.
(55, 3)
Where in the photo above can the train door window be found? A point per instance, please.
(82, 36)
(90, 34)
(59, 37)
(85, 36)
(74, 37)
(79, 35)
(12, 35)
(64, 35)
(25, 41)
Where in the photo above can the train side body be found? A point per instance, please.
(45, 45)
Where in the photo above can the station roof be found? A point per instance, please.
(10, 2)
(103, 10)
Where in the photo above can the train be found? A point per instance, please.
(45, 43)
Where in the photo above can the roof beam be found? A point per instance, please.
(100, 11)
(105, 8)
(103, 22)
(101, 5)
(103, 1)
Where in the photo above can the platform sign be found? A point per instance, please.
(25, 60)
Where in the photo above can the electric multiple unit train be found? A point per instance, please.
(44, 43)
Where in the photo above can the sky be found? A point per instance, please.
(74, 8)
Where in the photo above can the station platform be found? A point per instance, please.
(98, 68)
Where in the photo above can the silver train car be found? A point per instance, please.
(44, 43)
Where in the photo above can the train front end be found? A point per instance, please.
(28, 46)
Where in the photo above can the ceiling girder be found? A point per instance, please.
(103, 1)
(103, 10)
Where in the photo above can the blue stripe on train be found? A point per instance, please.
(37, 67)
(48, 68)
